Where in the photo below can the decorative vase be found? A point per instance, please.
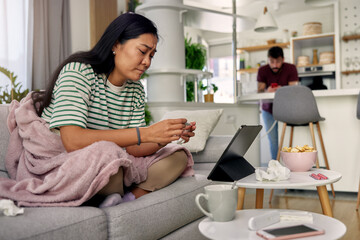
(315, 57)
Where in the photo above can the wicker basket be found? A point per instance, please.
(312, 28)
(327, 57)
(303, 61)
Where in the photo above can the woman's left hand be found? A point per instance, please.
(188, 131)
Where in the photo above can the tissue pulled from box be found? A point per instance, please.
(9, 208)
(274, 172)
(293, 216)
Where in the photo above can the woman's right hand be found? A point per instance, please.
(166, 131)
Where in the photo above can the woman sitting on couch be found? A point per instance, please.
(96, 96)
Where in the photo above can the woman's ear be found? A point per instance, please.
(115, 47)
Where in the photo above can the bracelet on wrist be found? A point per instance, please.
(138, 135)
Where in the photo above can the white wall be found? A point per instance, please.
(349, 23)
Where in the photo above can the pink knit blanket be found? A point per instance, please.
(43, 174)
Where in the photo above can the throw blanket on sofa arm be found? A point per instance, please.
(43, 174)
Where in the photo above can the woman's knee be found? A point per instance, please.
(115, 184)
(173, 165)
(165, 171)
(180, 160)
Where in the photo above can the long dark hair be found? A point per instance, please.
(125, 27)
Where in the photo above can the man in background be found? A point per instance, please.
(270, 77)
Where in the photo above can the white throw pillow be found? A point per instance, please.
(206, 121)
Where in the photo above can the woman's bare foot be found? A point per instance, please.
(111, 200)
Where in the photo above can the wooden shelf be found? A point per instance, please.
(248, 70)
(352, 37)
(315, 65)
(263, 47)
(350, 72)
(314, 36)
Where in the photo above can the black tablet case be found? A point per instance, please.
(232, 165)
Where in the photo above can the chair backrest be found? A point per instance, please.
(295, 105)
(358, 107)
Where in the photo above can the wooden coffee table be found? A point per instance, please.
(296, 180)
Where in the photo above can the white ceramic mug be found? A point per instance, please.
(221, 202)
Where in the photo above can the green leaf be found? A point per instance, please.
(148, 116)
(190, 97)
(15, 93)
(195, 55)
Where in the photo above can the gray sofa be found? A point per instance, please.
(169, 213)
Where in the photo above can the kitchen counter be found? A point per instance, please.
(317, 93)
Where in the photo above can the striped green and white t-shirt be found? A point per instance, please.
(84, 98)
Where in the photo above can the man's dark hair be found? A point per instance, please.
(275, 52)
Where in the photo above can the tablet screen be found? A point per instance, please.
(232, 165)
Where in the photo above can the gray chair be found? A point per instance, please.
(296, 106)
(358, 116)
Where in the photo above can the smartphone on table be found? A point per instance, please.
(290, 232)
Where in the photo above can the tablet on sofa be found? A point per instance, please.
(232, 165)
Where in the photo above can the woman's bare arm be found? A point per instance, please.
(75, 137)
(146, 149)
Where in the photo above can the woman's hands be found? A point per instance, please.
(169, 130)
(160, 134)
(152, 138)
(188, 131)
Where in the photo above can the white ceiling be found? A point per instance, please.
(252, 8)
(214, 27)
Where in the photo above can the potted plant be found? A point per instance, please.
(148, 115)
(15, 93)
(195, 58)
(211, 90)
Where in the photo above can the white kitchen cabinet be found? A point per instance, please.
(304, 46)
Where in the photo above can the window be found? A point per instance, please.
(15, 41)
(222, 69)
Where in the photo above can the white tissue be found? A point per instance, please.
(296, 217)
(9, 208)
(274, 172)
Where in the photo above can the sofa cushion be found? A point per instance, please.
(55, 223)
(156, 214)
(4, 136)
(189, 231)
(204, 168)
(215, 147)
(206, 121)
